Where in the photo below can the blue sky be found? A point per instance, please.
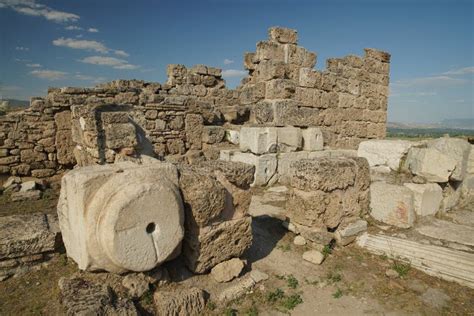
(80, 43)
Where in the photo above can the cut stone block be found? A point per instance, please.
(180, 302)
(313, 256)
(283, 35)
(427, 198)
(451, 196)
(430, 163)
(208, 246)
(448, 231)
(289, 139)
(258, 140)
(457, 149)
(384, 152)
(285, 165)
(232, 137)
(312, 139)
(451, 265)
(227, 270)
(353, 229)
(265, 165)
(25, 235)
(137, 229)
(392, 204)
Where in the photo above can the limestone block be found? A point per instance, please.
(194, 127)
(283, 35)
(227, 270)
(457, 149)
(392, 204)
(210, 245)
(430, 163)
(258, 140)
(265, 165)
(232, 137)
(309, 78)
(238, 173)
(384, 152)
(427, 198)
(377, 54)
(289, 139)
(285, 165)
(83, 297)
(25, 235)
(182, 302)
(353, 229)
(120, 135)
(121, 217)
(451, 196)
(325, 174)
(289, 112)
(279, 89)
(270, 69)
(213, 134)
(313, 256)
(270, 51)
(312, 139)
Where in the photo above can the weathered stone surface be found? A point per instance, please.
(213, 134)
(238, 173)
(136, 284)
(258, 140)
(24, 235)
(427, 198)
(244, 285)
(451, 196)
(299, 241)
(180, 302)
(353, 229)
(431, 164)
(28, 186)
(31, 195)
(325, 174)
(82, 297)
(313, 256)
(392, 204)
(265, 165)
(120, 135)
(457, 149)
(232, 137)
(139, 229)
(384, 152)
(194, 124)
(204, 196)
(227, 270)
(312, 139)
(208, 246)
(286, 167)
(289, 139)
(283, 35)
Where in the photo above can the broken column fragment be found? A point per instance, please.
(121, 217)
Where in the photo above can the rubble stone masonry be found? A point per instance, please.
(186, 118)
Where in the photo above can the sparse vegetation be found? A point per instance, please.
(292, 282)
(230, 312)
(284, 247)
(327, 250)
(334, 277)
(401, 268)
(252, 311)
(337, 294)
(291, 301)
(275, 296)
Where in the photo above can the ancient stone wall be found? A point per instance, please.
(187, 118)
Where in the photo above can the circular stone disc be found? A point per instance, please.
(141, 225)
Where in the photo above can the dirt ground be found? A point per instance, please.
(349, 282)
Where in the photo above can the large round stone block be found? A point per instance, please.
(122, 218)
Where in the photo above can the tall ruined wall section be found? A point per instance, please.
(348, 100)
(186, 118)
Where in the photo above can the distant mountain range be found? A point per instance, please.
(17, 104)
(463, 124)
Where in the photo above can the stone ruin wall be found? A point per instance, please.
(186, 118)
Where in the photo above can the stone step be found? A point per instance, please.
(448, 231)
(448, 264)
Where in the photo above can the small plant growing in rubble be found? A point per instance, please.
(230, 312)
(327, 250)
(337, 294)
(253, 311)
(401, 268)
(291, 301)
(276, 295)
(292, 282)
(284, 247)
(334, 277)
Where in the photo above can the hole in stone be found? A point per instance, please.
(150, 228)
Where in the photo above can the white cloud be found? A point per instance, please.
(81, 44)
(79, 36)
(90, 78)
(425, 81)
(30, 7)
(21, 48)
(461, 71)
(228, 61)
(233, 73)
(34, 65)
(73, 28)
(49, 74)
(121, 53)
(108, 61)
(92, 30)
